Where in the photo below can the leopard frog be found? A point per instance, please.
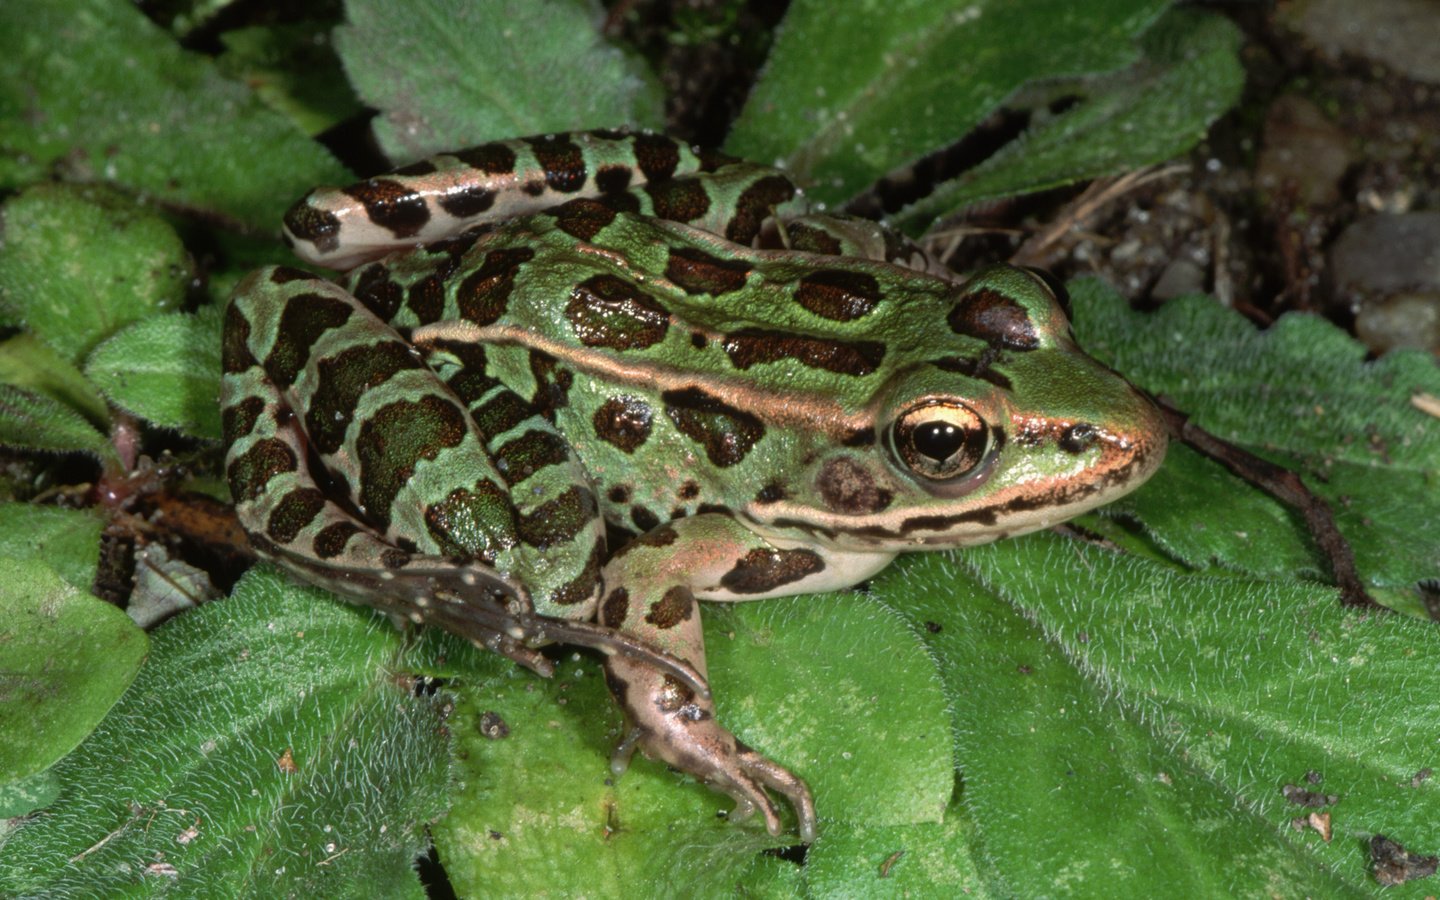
(570, 385)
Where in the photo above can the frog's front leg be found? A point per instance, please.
(652, 585)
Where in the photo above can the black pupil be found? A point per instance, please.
(937, 440)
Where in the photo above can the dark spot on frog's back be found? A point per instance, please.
(391, 205)
(990, 316)
(235, 341)
(552, 384)
(615, 608)
(252, 470)
(838, 295)
(426, 299)
(473, 523)
(562, 161)
(606, 311)
(462, 203)
(341, 380)
(643, 518)
(499, 414)
(287, 274)
(612, 179)
(319, 227)
(483, 295)
(558, 520)
(752, 346)
(239, 419)
(656, 155)
(586, 584)
(675, 606)
(623, 422)
(680, 200)
(657, 538)
(764, 570)
(394, 439)
(848, 488)
(582, 218)
(754, 205)
(527, 454)
(372, 286)
(727, 433)
(697, 272)
(813, 240)
(306, 317)
(295, 510)
(492, 159)
(331, 540)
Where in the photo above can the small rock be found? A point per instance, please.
(1409, 319)
(1181, 277)
(1399, 34)
(1386, 270)
(1302, 150)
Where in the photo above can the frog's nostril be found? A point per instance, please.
(1078, 437)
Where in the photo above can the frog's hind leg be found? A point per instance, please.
(653, 584)
(310, 497)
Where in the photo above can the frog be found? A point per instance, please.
(565, 387)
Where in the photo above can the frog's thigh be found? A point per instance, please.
(285, 503)
(652, 583)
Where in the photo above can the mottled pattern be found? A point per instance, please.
(623, 422)
(996, 318)
(482, 296)
(761, 571)
(697, 272)
(753, 346)
(726, 433)
(848, 488)
(610, 312)
(392, 206)
(673, 607)
(838, 295)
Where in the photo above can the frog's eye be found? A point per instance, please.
(940, 439)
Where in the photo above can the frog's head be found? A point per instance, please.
(1005, 427)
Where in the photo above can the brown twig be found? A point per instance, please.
(1285, 486)
(1082, 208)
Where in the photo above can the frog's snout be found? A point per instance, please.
(1136, 443)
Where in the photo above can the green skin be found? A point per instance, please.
(448, 432)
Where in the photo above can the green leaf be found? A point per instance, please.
(491, 69)
(295, 70)
(1175, 709)
(1190, 73)
(267, 747)
(31, 421)
(896, 81)
(547, 792)
(932, 859)
(1305, 397)
(18, 798)
(26, 362)
(96, 89)
(66, 540)
(65, 658)
(165, 370)
(81, 262)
